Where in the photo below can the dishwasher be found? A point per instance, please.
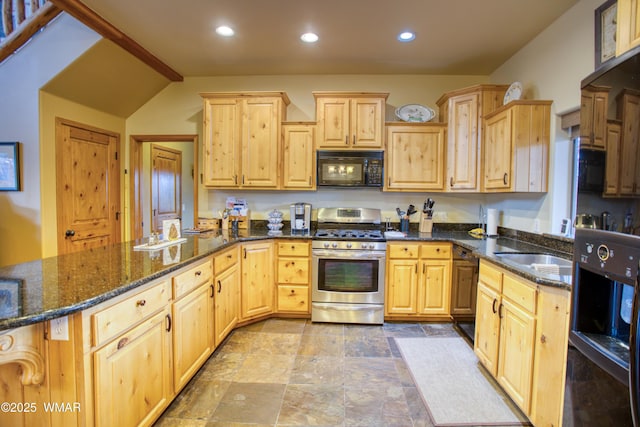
(464, 286)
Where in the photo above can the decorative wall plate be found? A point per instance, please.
(513, 93)
(415, 113)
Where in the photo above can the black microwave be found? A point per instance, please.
(350, 168)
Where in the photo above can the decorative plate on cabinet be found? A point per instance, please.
(415, 113)
(513, 93)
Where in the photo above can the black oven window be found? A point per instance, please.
(348, 275)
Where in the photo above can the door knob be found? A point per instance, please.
(69, 233)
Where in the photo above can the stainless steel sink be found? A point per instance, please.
(541, 263)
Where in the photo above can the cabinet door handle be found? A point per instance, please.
(451, 182)
(122, 342)
(416, 268)
(500, 310)
(212, 290)
(310, 180)
(354, 140)
(235, 179)
(346, 139)
(168, 323)
(493, 306)
(504, 178)
(245, 254)
(219, 286)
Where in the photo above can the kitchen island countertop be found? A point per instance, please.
(57, 286)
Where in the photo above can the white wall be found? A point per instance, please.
(551, 67)
(21, 77)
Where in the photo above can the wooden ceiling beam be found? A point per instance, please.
(88, 17)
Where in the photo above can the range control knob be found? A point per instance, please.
(603, 252)
(326, 244)
(349, 245)
(365, 246)
(334, 245)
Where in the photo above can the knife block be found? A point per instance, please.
(426, 223)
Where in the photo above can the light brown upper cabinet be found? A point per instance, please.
(628, 26)
(299, 156)
(516, 153)
(350, 120)
(464, 111)
(593, 116)
(242, 134)
(415, 156)
(628, 111)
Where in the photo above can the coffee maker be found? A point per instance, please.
(300, 217)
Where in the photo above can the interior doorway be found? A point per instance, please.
(166, 185)
(141, 181)
(87, 186)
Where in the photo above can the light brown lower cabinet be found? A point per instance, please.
(521, 338)
(227, 293)
(418, 280)
(293, 276)
(257, 279)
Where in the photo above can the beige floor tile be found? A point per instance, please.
(376, 406)
(276, 343)
(265, 368)
(318, 370)
(312, 405)
(370, 371)
(362, 346)
(250, 403)
(322, 345)
(284, 326)
(324, 329)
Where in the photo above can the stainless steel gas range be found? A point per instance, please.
(348, 256)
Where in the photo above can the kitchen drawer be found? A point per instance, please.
(193, 277)
(293, 249)
(436, 251)
(403, 251)
(226, 259)
(112, 321)
(490, 276)
(293, 270)
(293, 298)
(520, 293)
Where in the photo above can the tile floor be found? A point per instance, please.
(296, 373)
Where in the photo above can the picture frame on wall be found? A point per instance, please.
(605, 32)
(9, 166)
(10, 300)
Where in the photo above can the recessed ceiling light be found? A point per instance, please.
(225, 31)
(406, 36)
(309, 37)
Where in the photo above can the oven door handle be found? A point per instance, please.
(342, 255)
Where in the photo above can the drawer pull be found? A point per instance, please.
(229, 256)
(543, 339)
(198, 273)
(168, 323)
(122, 342)
(141, 303)
(293, 291)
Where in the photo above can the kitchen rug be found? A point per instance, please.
(454, 386)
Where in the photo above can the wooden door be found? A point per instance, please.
(260, 142)
(463, 142)
(132, 375)
(166, 185)
(613, 159)
(515, 359)
(487, 327)
(299, 164)
(497, 160)
(258, 279)
(333, 122)
(367, 122)
(191, 313)
(464, 284)
(87, 187)
(227, 302)
(221, 130)
(434, 287)
(402, 282)
(415, 157)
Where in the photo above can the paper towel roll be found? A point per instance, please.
(492, 222)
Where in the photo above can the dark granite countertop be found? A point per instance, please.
(62, 285)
